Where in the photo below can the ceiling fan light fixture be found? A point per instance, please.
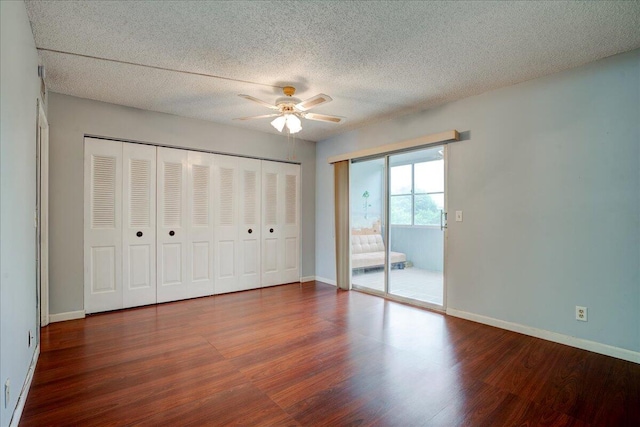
(278, 123)
(293, 123)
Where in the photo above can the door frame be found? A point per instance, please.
(42, 216)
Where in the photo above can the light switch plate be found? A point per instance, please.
(458, 216)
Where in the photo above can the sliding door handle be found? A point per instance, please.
(443, 220)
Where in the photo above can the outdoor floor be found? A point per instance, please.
(414, 283)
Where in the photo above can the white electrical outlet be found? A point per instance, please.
(459, 216)
(581, 313)
(7, 395)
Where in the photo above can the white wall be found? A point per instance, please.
(20, 88)
(70, 118)
(549, 181)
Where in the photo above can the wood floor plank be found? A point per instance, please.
(311, 355)
(243, 405)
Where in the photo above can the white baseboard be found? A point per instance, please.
(70, 315)
(325, 280)
(22, 399)
(596, 347)
(307, 279)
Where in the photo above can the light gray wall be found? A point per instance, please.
(70, 118)
(20, 88)
(549, 182)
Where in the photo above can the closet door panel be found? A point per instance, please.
(226, 224)
(290, 255)
(139, 225)
(250, 177)
(290, 225)
(200, 231)
(102, 225)
(281, 223)
(271, 230)
(172, 230)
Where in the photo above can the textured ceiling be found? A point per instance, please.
(375, 59)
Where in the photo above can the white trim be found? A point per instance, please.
(307, 279)
(449, 135)
(70, 315)
(596, 347)
(43, 214)
(325, 280)
(22, 399)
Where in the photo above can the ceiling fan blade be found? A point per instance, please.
(323, 118)
(313, 102)
(264, 116)
(259, 101)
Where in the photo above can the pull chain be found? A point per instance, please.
(294, 147)
(291, 146)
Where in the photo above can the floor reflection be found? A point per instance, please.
(414, 283)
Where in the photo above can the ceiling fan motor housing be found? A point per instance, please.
(286, 103)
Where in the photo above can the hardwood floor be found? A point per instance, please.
(309, 355)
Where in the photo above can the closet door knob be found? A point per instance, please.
(271, 230)
(172, 233)
(139, 234)
(250, 231)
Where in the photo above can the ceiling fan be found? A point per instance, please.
(291, 110)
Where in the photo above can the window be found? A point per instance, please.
(417, 193)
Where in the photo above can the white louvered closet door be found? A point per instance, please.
(102, 225)
(280, 223)
(139, 225)
(271, 230)
(290, 224)
(172, 236)
(249, 214)
(200, 224)
(226, 224)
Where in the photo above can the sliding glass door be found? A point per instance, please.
(367, 194)
(397, 225)
(416, 207)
